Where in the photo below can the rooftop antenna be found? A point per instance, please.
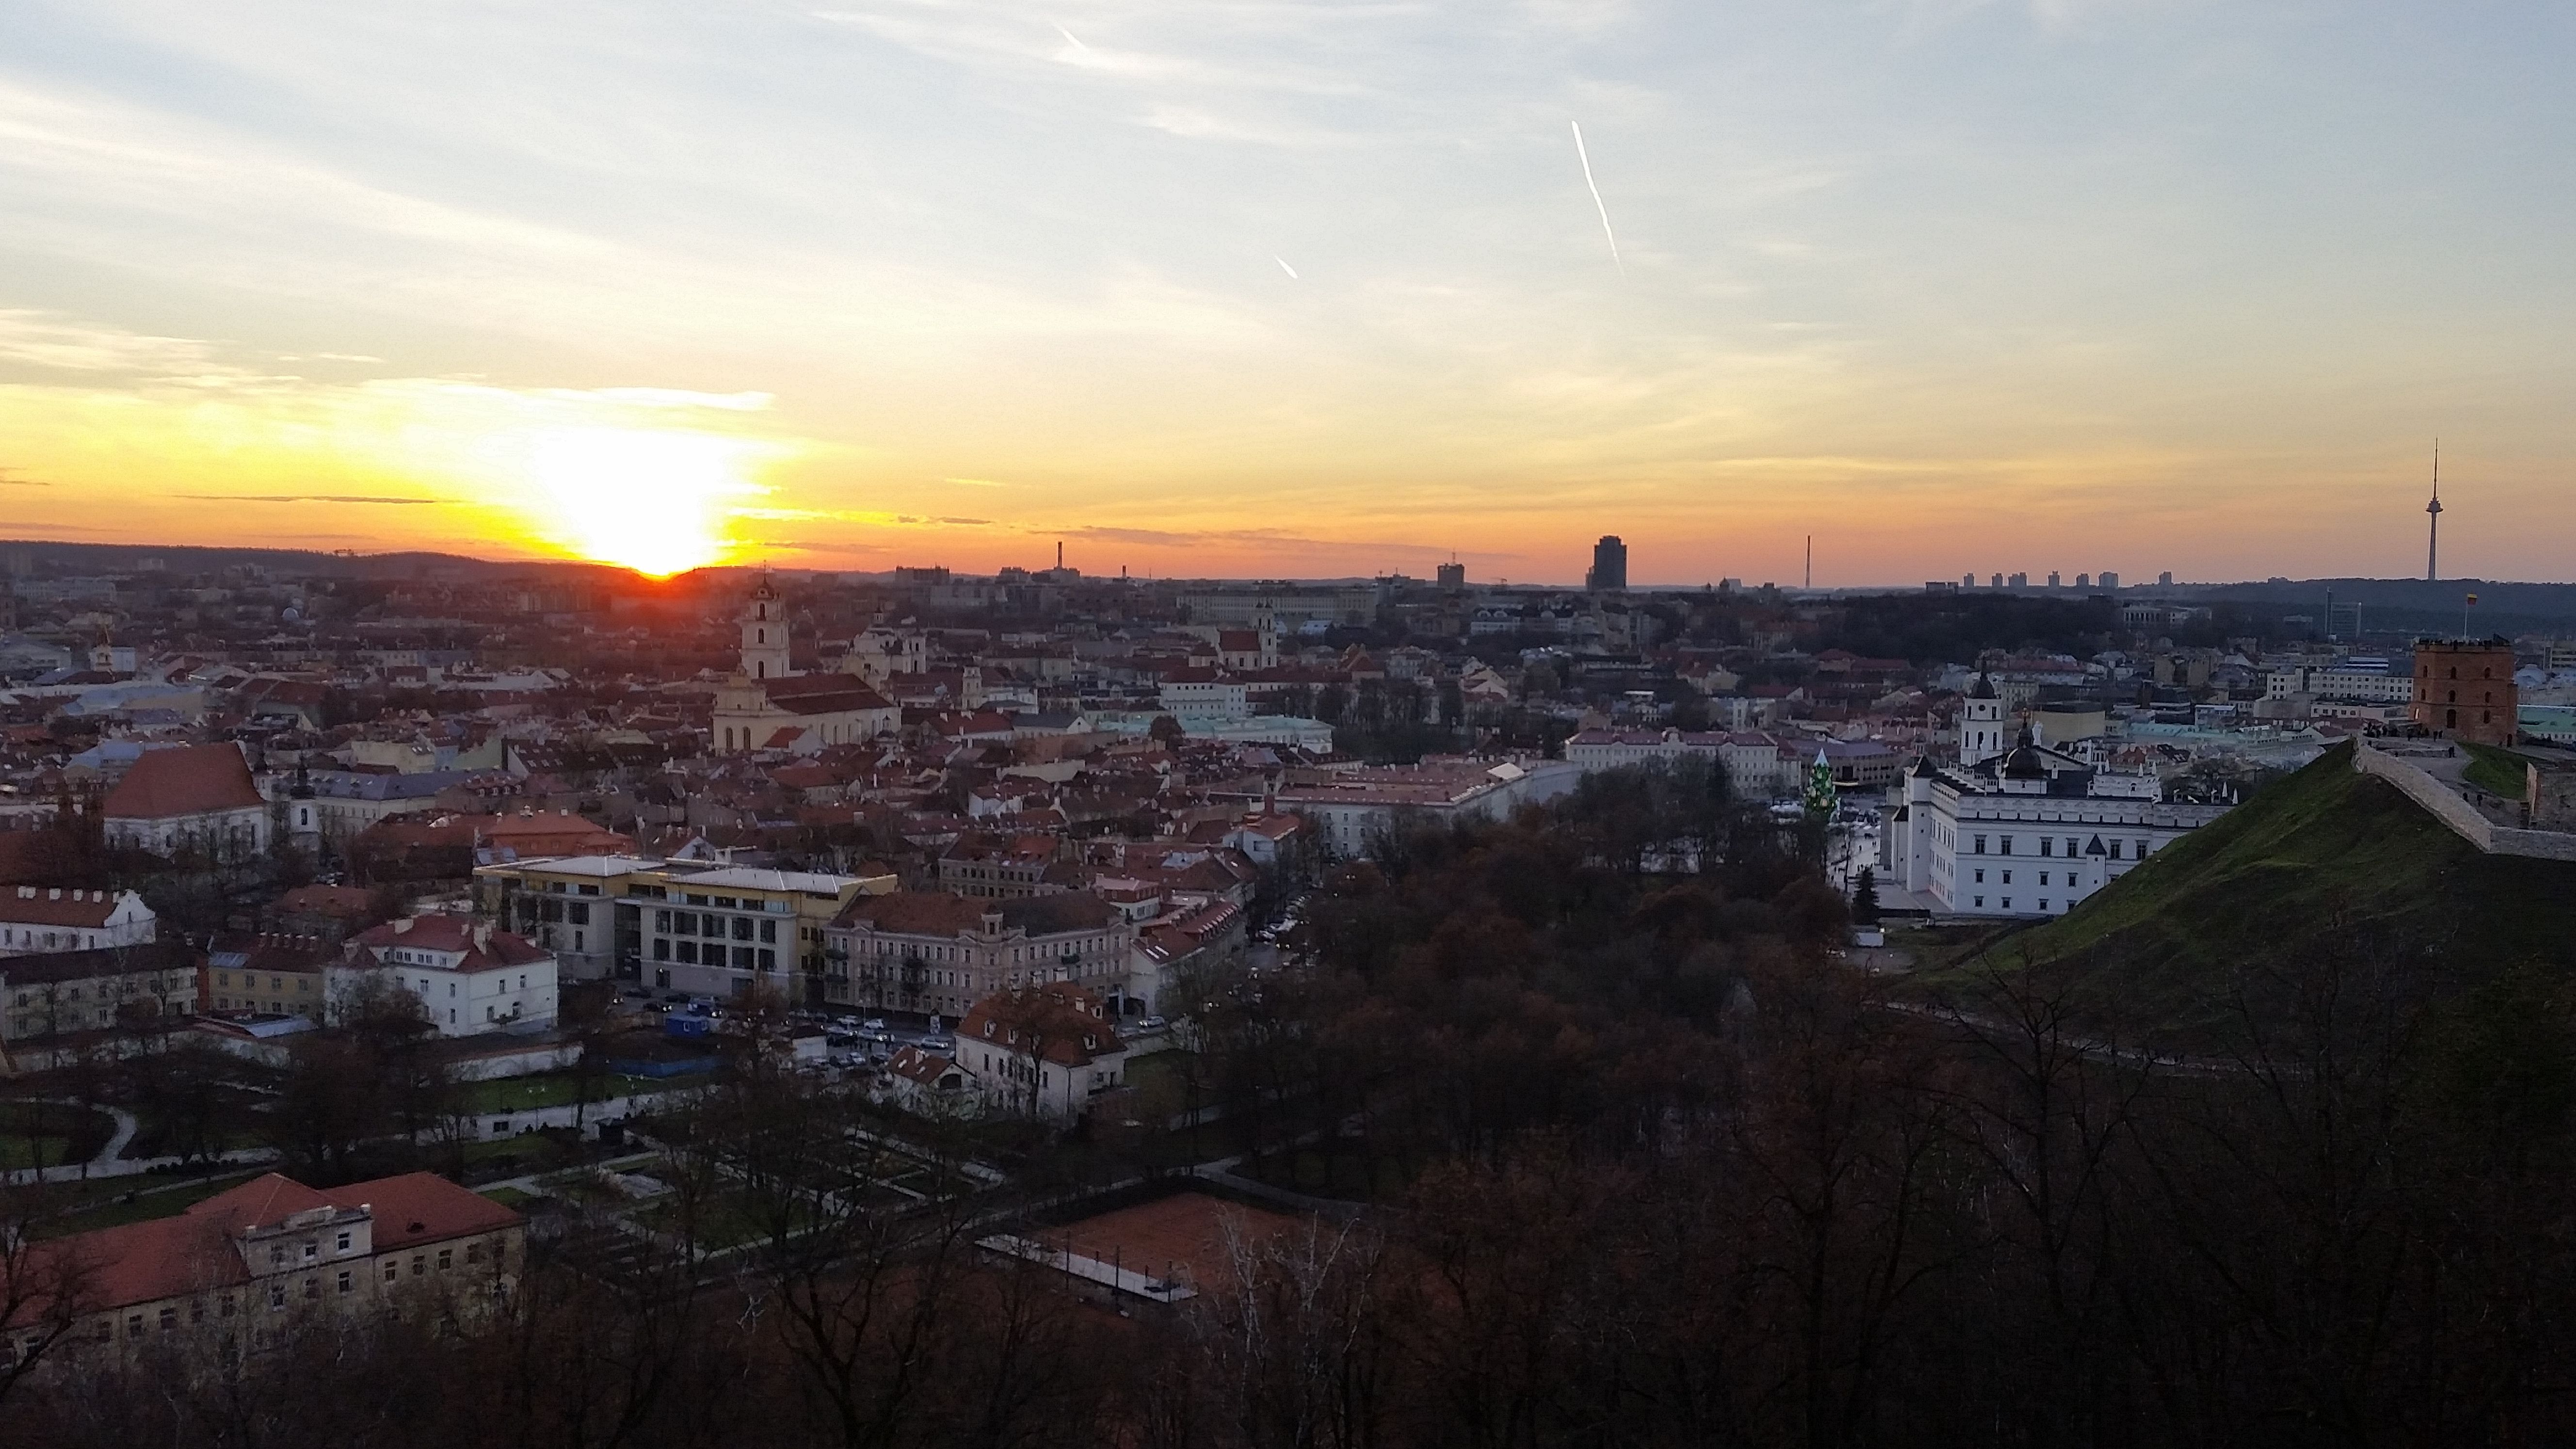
(1811, 560)
(1059, 553)
(2433, 523)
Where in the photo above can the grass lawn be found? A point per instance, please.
(510, 1197)
(100, 1204)
(2496, 771)
(554, 1089)
(53, 1131)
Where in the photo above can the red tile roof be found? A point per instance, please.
(1070, 1027)
(195, 1250)
(29, 905)
(480, 947)
(188, 780)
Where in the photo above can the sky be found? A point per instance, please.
(1269, 289)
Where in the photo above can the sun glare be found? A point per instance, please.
(656, 501)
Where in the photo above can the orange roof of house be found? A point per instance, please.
(188, 780)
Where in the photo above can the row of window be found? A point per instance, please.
(74, 993)
(2007, 878)
(250, 982)
(690, 953)
(2048, 846)
(2008, 905)
(694, 923)
(53, 940)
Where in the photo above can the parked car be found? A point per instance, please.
(1152, 1023)
(939, 1043)
(873, 1024)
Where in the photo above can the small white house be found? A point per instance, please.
(469, 978)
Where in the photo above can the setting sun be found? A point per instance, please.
(654, 501)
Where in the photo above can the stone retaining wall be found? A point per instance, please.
(2463, 819)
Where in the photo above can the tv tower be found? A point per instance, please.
(2433, 522)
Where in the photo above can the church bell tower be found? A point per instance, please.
(764, 633)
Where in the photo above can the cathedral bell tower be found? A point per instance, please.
(1981, 724)
(764, 633)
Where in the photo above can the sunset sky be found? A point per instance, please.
(1298, 289)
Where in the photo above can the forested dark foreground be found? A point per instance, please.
(1652, 1167)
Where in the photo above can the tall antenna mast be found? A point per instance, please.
(1811, 560)
(2433, 523)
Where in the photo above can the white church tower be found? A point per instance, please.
(764, 633)
(1981, 724)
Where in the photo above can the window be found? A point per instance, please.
(2047, 845)
(742, 928)
(768, 959)
(347, 1281)
(661, 949)
(312, 1250)
(689, 952)
(343, 1243)
(2007, 903)
(277, 1256)
(392, 1271)
(419, 1264)
(661, 920)
(1981, 903)
(1981, 877)
(2005, 846)
(224, 1309)
(277, 1295)
(2115, 850)
(169, 1320)
(2043, 903)
(2007, 877)
(134, 1325)
(446, 1258)
(2072, 848)
(474, 1252)
(2043, 880)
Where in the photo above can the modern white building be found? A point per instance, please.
(469, 977)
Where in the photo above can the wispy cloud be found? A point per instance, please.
(49, 340)
(304, 498)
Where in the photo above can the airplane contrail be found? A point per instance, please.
(1586, 159)
(1077, 43)
(1283, 266)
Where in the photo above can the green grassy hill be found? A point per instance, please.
(2326, 859)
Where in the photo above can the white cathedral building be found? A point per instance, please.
(2021, 830)
(766, 704)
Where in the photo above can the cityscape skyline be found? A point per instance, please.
(1251, 290)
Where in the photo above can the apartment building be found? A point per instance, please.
(929, 951)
